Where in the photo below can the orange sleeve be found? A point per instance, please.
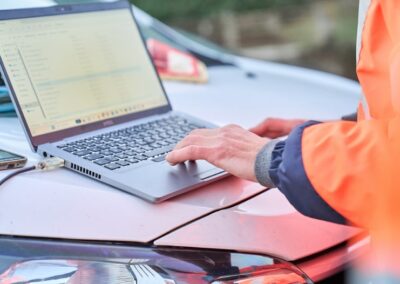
(354, 167)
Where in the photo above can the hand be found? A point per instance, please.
(230, 148)
(276, 127)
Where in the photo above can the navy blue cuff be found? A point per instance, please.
(288, 174)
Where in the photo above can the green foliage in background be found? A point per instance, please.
(172, 9)
(65, 2)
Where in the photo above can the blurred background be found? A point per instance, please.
(318, 34)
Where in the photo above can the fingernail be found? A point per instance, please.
(167, 159)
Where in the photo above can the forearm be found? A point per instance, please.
(272, 171)
(279, 164)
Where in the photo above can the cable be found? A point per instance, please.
(44, 165)
(21, 171)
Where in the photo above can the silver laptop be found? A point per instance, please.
(86, 91)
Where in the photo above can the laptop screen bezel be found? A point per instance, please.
(35, 141)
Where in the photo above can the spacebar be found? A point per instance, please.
(159, 151)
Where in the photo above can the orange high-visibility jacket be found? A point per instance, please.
(355, 166)
(350, 171)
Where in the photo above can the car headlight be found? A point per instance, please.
(33, 261)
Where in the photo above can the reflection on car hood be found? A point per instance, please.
(265, 224)
(63, 204)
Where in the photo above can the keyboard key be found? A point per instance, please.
(140, 157)
(112, 166)
(164, 135)
(130, 153)
(93, 157)
(106, 153)
(141, 142)
(171, 140)
(147, 147)
(131, 145)
(159, 159)
(155, 145)
(156, 138)
(121, 156)
(123, 163)
(102, 162)
(159, 151)
(112, 158)
(69, 149)
(82, 153)
(148, 140)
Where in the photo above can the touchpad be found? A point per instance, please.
(205, 170)
(210, 173)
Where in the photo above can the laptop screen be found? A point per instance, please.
(74, 69)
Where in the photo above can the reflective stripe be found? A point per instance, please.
(365, 106)
(362, 15)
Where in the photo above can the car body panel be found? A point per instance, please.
(271, 90)
(63, 204)
(85, 209)
(332, 261)
(265, 224)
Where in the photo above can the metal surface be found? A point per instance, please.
(265, 224)
(62, 204)
(257, 90)
(333, 261)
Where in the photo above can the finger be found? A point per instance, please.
(257, 129)
(270, 125)
(273, 134)
(188, 153)
(262, 127)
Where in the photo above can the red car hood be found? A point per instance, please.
(223, 215)
(63, 204)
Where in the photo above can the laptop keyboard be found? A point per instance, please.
(132, 145)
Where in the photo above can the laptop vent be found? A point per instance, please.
(85, 171)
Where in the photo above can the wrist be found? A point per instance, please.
(263, 163)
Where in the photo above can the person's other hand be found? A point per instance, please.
(230, 148)
(276, 127)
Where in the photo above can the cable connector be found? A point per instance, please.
(49, 164)
(44, 165)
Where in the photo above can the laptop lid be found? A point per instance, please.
(77, 68)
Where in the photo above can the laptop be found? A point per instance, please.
(86, 91)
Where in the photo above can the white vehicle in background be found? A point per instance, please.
(68, 229)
